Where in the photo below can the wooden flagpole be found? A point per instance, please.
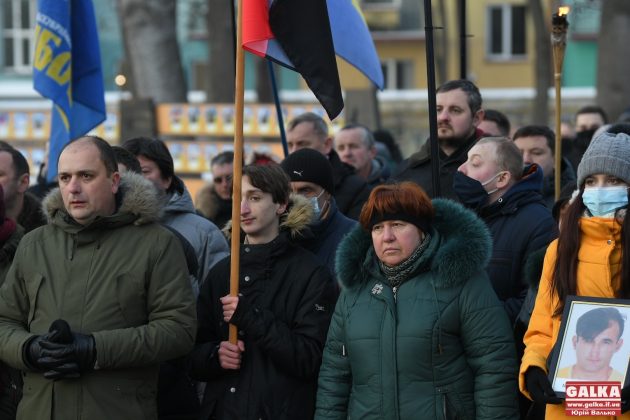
(239, 98)
(559, 26)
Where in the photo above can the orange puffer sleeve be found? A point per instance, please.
(541, 334)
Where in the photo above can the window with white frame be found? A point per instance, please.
(18, 23)
(398, 74)
(506, 37)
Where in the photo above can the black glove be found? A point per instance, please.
(625, 399)
(69, 355)
(539, 387)
(32, 350)
(59, 368)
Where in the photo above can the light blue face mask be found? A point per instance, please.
(604, 201)
(317, 211)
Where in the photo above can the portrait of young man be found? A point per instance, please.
(598, 337)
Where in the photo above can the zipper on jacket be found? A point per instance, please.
(444, 407)
(394, 352)
(343, 350)
(395, 290)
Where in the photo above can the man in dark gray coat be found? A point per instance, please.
(459, 113)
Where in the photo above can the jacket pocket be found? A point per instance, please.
(450, 405)
(131, 299)
(33, 286)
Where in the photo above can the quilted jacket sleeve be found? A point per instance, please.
(490, 352)
(539, 336)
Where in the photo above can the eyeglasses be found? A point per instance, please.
(220, 179)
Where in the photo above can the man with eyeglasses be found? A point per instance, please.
(214, 200)
(311, 176)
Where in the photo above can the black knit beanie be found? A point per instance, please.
(309, 165)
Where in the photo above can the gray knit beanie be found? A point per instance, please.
(607, 154)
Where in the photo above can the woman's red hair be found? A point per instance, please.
(404, 197)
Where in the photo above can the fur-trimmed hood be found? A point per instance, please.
(464, 247)
(136, 196)
(295, 221)
(209, 203)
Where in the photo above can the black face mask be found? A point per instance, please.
(583, 139)
(469, 191)
(567, 144)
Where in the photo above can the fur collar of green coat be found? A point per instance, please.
(137, 196)
(464, 249)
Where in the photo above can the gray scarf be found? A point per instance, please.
(397, 274)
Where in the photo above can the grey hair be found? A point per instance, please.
(368, 137)
(319, 125)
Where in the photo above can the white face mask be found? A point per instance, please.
(317, 211)
(490, 180)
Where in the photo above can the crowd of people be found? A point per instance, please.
(363, 293)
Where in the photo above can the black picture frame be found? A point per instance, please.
(574, 308)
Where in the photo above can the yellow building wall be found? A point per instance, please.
(489, 73)
(412, 50)
(485, 72)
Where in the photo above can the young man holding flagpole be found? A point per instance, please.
(285, 302)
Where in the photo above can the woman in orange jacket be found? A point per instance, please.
(591, 257)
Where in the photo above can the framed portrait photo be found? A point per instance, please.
(593, 343)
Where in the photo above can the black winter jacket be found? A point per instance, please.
(31, 216)
(282, 316)
(10, 378)
(324, 236)
(351, 191)
(417, 167)
(549, 183)
(520, 224)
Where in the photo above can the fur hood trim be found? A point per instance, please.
(139, 197)
(464, 249)
(207, 201)
(295, 220)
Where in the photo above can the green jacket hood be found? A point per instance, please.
(136, 195)
(465, 248)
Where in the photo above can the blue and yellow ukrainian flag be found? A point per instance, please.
(67, 70)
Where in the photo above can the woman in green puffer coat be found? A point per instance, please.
(418, 332)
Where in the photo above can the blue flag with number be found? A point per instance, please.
(67, 70)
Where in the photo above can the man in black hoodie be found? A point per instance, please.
(587, 120)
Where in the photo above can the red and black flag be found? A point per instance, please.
(297, 35)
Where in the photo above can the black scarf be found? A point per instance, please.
(397, 274)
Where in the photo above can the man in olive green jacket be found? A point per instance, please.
(117, 280)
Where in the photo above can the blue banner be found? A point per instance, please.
(67, 70)
(352, 39)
